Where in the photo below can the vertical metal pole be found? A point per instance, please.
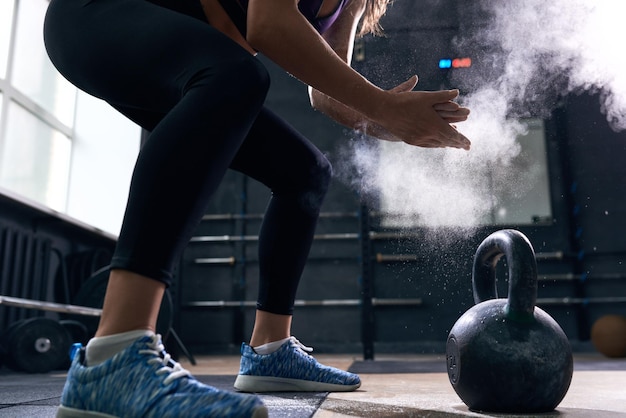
(367, 309)
(240, 281)
(575, 229)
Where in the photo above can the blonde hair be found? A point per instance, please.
(374, 10)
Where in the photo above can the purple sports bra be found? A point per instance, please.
(237, 9)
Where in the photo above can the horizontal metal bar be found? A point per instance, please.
(558, 255)
(549, 255)
(49, 306)
(249, 238)
(328, 302)
(220, 304)
(257, 216)
(224, 238)
(572, 276)
(340, 236)
(232, 261)
(231, 216)
(216, 260)
(580, 301)
(396, 302)
(300, 302)
(558, 277)
(337, 236)
(380, 258)
(386, 258)
(373, 235)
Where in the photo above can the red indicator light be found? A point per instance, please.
(461, 63)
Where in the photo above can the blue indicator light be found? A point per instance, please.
(445, 63)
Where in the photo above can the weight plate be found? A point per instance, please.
(4, 343)
(77, 330)
(78, 334)
(38, 345)
(91, 295)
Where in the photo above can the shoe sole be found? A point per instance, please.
(65, 412)
(256, 384)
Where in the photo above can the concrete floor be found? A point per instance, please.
(598, 389)
(592, 394)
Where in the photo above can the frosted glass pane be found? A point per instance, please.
(528, 201)
(35, 159)
(444, 188)
(6, 18)
(33, 73)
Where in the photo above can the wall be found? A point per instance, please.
(419, 279)
(370, 288)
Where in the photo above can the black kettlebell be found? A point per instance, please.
(506, 355)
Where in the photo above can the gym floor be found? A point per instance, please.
(393, 386)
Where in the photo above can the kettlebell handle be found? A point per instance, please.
(520, 256)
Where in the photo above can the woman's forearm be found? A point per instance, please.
(347, 116)
(279, 31)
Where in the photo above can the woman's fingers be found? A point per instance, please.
(451, 137)
(447, 137)
(449, 106)
(451, 112)
(453, 117)
(407, 85)
(461, 140)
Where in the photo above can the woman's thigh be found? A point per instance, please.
(132, 52)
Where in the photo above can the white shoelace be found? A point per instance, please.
(171, 367)
(293, 341)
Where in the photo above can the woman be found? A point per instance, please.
(185, 70)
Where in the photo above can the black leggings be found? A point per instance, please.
(200, 95)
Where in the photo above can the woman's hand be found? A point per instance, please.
(450, 111)
(433, 129)
(412, 116)
(441, 114)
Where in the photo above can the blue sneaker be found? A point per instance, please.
(143, 381)
(290, 369)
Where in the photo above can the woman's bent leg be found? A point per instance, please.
(150, 60)
(298, 175)
(202, 92)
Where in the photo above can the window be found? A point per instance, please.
(6, 20)
(59, 147)
(36, 158)
(433, 188)
(37, 109)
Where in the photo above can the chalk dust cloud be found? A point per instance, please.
(540, 51)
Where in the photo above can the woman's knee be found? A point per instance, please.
(320, 175)
(324, 173)
(252, 78)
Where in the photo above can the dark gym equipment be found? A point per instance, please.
(506, 355)
(36, 345)
(77, 330)
(40, 345)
